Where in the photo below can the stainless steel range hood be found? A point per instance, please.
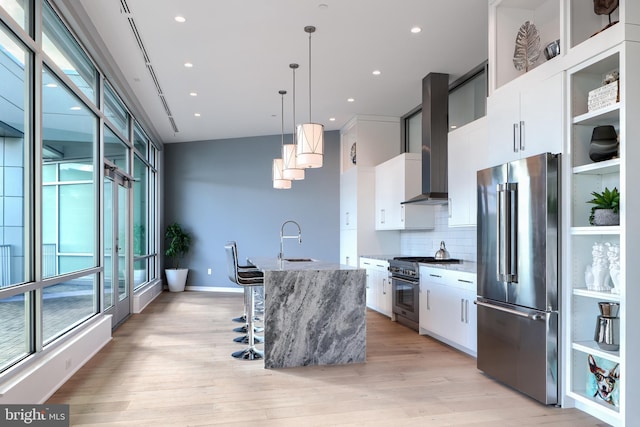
(435, 128)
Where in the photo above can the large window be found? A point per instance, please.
(69, 180)
(50, 189)
(66, 53)
(15, 204)
(19, 11)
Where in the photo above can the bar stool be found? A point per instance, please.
(243, 319)
(249, 280)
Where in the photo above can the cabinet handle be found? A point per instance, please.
(346, 218)
(384, 287)
(462, 310)
(428, 295)
(434, 275)
(465, 281)
(346, 259)
(515, 132)
(450, 207)
(521, 135)
(382, 216)
(401, 213)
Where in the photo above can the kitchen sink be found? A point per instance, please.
(298, 259)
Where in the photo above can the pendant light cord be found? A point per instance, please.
(310, 75)
(293, 135)
(282, 93)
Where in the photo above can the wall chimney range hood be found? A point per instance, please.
(435, 129)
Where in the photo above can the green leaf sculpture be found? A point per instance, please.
(527, 49)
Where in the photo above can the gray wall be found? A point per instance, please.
(222, 190)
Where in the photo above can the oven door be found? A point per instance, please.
(405, 298)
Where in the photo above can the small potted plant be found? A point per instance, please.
(178, 246)
(605, 209)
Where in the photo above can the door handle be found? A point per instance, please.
(521, 135)
(515, 143)
(532, 316)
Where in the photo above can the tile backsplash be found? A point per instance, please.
(460, 241)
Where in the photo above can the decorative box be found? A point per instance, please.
(604, 96)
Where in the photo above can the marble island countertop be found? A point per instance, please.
(297, 264)
(314, 313)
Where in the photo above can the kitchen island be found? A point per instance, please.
(314, 313)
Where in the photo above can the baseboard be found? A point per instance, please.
(236, 289)
(143, 297)
(35, 379)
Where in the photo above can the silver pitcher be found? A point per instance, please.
(608, 327)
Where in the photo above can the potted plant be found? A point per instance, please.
(606, 207)
(178, 246)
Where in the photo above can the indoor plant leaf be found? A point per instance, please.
(527, 49)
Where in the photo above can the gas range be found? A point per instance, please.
(427, 260)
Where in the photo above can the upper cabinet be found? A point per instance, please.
(467, 154)
(397, 180)
(526, 121)
(368, 141)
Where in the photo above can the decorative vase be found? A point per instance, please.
(176, 278)
(604, 143)
(606, 217)
(607, 334)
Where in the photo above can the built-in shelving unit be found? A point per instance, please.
(588, 51)
(585, 177)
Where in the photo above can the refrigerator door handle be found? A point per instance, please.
(500, 232)
(512, 188)
(532, 316)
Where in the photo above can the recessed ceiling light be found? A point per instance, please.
(350, 100)
(193, 93)
(376, 72)
(197, 114)
(76, 108)
(188, 64)
(51, 85)
(332, 119)
(454, 127)
(416, 30)
(180, 18)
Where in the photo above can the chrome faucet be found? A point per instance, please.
(282, 237)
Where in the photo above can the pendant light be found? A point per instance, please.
(310, 135)
(289, 156)
(279, 181)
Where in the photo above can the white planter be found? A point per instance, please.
(176, 278)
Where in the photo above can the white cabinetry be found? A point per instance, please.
(582, 177)
(467, 149)
(379, 295)
(525, 122)
(377, 139)
(447, 311)
(397, 180)
(587, 53)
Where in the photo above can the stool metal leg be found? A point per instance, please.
(251, 352)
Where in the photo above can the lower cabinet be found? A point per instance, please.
(379, 296)
(447, 309)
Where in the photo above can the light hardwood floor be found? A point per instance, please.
(171, 366)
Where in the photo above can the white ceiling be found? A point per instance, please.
(241, 51)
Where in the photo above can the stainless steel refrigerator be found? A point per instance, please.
(518, 274)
